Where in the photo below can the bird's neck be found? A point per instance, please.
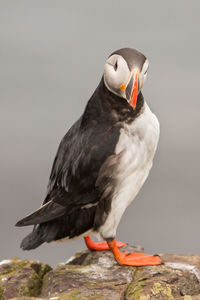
(105, 106)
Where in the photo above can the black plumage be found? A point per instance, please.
(77, 198)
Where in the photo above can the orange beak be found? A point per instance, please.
(134, 93)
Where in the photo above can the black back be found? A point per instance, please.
(83, 151)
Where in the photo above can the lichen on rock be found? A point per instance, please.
(96, 275)
(21, 278)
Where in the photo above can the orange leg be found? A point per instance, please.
(133, 259)
(99, 246)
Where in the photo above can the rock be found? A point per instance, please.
(96, 275)
(21, 278)
(26, 298)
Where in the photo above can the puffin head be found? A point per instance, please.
(125, 72)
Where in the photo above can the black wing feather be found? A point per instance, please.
(81, 153)
(85, 148)
(47, 212)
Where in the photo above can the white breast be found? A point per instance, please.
(137, 145)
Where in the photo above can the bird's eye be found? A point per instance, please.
(115, 66)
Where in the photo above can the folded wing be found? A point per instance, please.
(49, 211)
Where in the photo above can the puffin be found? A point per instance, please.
(101, 164)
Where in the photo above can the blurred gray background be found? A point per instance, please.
(52, 55)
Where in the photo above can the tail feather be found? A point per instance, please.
(32, 240)
(67, 226)
(42, 233)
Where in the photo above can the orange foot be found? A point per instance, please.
(99, 246)
(133, 259)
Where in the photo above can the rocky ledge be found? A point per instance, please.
(96, 275)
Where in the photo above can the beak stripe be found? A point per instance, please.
(133, 99)
(129, 88)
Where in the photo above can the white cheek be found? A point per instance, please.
(110, 76)
(114, 78)
(144, 73)
(144, 79)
